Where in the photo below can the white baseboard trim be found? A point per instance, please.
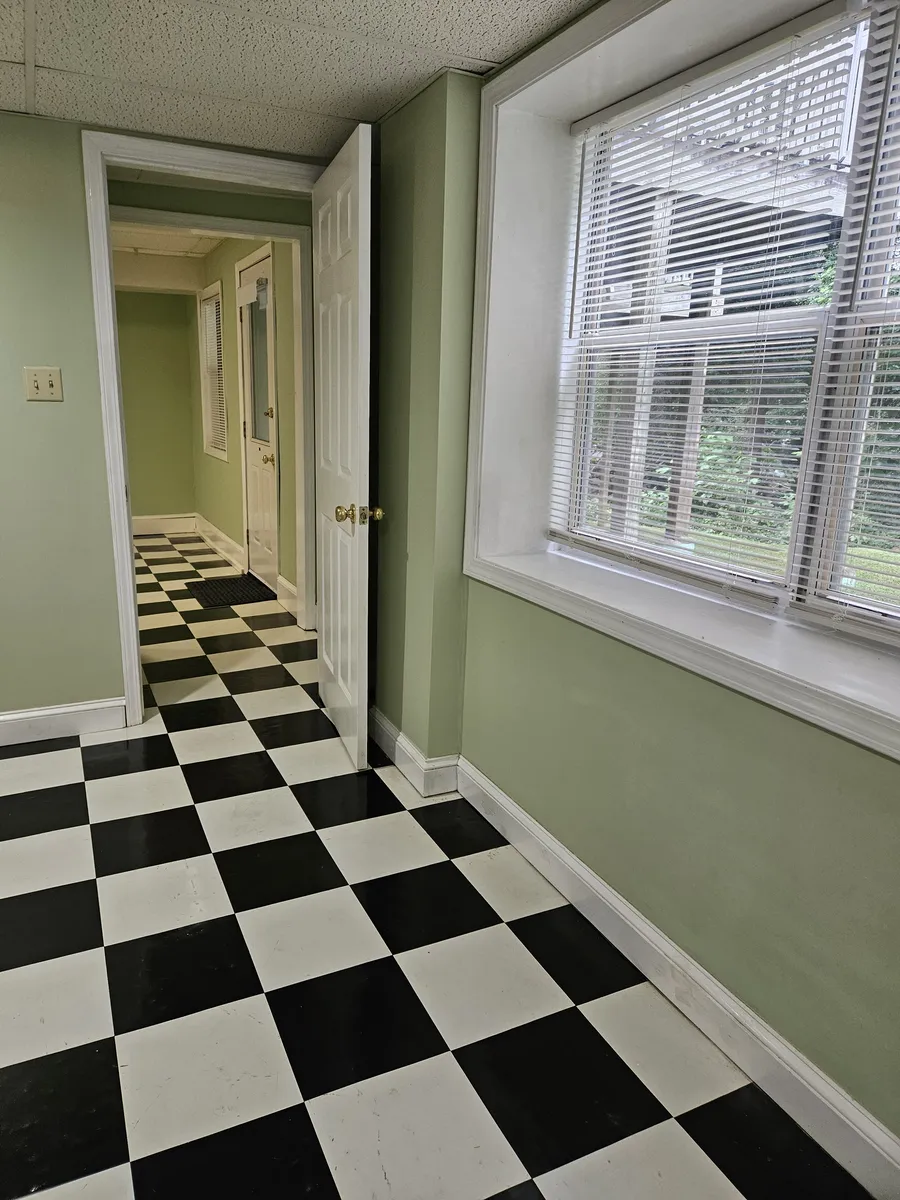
(222, 543)
(429, 776)
(865, 1147)
(63, 720)
(287, 595)
(177, 523)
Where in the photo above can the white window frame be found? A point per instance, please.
(736, 636)
(214, 291)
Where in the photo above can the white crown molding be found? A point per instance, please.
(856, 1139)
(195, 223)
(61, 720)
(429, 776)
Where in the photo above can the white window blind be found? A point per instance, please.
(702, 264)
(213, 376)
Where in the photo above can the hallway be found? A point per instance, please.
(231, 966)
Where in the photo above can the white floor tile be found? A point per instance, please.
(46, 860)
(418, 1132)
(179, 691)
(380, 846)
(152, 555)
(161, 569)
(214, 741)
(173, 585)
(275, 702)
(306, 671)
(310, 936)
(480, 984)
(194, 1076)
(243, 660)
(114, 1184)
(167, 896)
(187, 605)
(31, 771)
(259, 608)
(150, 726)
(163, 651)
(509, 883)
(52, 1005)
(279, 634)
(205, 629)
(160, 620)
(312, 760)
(214, 572)
(404, 790)
(135, 793)
(660, 1163)
(254, 817)
(668, 1053)
(155, 596)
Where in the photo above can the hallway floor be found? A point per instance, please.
(232, 967)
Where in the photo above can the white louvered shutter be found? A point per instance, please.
(702, 260)
(216, 429)
(850, 549)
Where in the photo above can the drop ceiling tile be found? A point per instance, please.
(12, 86)
(178, 114)
(12, 31)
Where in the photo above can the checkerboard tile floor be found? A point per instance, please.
(231, 966)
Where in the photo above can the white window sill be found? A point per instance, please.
(847, 687)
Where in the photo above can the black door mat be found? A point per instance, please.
(229, 590)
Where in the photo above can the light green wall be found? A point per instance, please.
(59, 635)
(763, 846)
(427, 188)
(155, 364)
(208, 202)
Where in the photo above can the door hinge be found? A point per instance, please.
(245, 429)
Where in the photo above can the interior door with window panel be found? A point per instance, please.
(341, 258)
(257, 324)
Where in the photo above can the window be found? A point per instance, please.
(212, 376)
(730, 374)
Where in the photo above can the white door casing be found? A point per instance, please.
(256, 315)
(342, 222)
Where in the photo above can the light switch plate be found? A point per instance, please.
(43, 383)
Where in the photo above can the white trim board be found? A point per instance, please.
(429, 776)
(61, 720)
(222, 543)
(176, 523)
(287, 595)
(865, 1147)
(194, 223)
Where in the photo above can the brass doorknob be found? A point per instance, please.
(270, 412)
(269, 458)
(367, 514)
(376, 514)
(343, 514)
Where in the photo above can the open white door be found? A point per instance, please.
(342, 221)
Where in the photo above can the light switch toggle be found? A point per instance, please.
(43, 383)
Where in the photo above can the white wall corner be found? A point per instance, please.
(63, 720)
(856, 1139)
(222, 543)
(429, 776)
(287, 595)
(175, 523)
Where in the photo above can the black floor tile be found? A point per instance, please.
(144, 586)
(40, 811)
(119, 758)
(178, 668)
(350, 1025)
(345, 798)
(166, 560)
(61, 1117)
(152, 607)
(148, 697)
(134, 842)
(312, 690)
(186, 574)
(763, 1152)
(280, 869)
(259, 679)
(142, 573)
(579, 957)
(457, 828)
(290, 729)
(49, 924)
(557, 1090)
(271, 620)
(233, 776)
(179, 594)
(198, 615)
(167, 633)
(47, 746)
(377, 757)
(413, 908)
(207, 563)
(187, 539)
(181, 971)
(197, 714)
(522, 1191)
(227, 641)
(266, 1159)
(296, 651)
